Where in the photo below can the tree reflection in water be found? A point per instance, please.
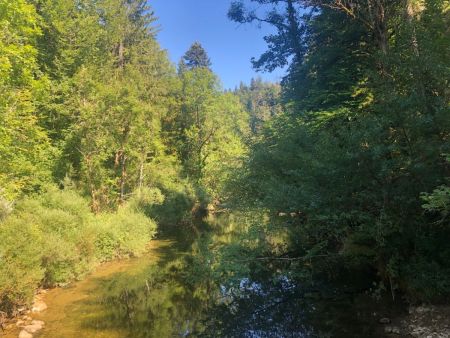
(181, 296)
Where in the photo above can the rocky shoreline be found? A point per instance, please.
(420, 322)
(24, 322)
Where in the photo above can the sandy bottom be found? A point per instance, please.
(71, 307)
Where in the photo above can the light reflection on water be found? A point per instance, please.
(170, 293)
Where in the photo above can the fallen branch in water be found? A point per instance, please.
(278, 258)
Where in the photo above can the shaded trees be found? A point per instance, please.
(262, 100)
(366, 124)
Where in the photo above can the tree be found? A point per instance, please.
(196, 57)
(120, 109)
(291, 26)
(24, 148)
(363, 137)
(208, 127)
(262, 100)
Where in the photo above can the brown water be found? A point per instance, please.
(171, 292)
(75, 311)
(78, 310)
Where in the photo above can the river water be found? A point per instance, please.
(169, 293)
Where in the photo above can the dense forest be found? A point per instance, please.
(100, 138)
(359, 158)
(341, 170)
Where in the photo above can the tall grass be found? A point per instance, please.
(53, 238)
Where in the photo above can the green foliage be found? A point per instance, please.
(24, 148)
(196, 57)
(439, 199)
(209, 130)
(286, 18)
(60, 240)
(366, 124)
(20, 268)
(123, 233)
(261, 100)
(5, 208)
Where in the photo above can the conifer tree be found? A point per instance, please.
(196, 57)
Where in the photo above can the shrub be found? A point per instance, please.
(5, 208)
(123, 233)
(180, 199)
(53, 239)
(20, 262)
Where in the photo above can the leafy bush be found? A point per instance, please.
(5, 208)
(54, 238)
(124, 233)
(180, 196)
(146, 197)
(20, 262)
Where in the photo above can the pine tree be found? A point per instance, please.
(196, 57)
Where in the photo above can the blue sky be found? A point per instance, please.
(229, 45)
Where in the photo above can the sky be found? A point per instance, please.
(229, 45)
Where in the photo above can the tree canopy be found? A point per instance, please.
(196, 57)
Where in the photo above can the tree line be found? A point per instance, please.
(352, 178)
(101, 137)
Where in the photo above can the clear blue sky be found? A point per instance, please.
(229, 45)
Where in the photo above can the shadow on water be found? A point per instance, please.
(150, 296)
(170, 292)
(156, 301)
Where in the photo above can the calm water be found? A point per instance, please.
(170, 293)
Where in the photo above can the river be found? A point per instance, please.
(169, 292)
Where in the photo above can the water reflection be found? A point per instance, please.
(173, 292)
(168, 299)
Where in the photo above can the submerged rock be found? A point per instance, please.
(392, 329)
(36, 325)
(32, 328)
(25, 334)
(38, 322)
(38, 306)
(427, 321)
(384, 321)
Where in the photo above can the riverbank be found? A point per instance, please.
(61, 241)
(56, 310)
(24, 324)
(426, 321)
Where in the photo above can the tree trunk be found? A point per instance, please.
(123, 179)
(141, 175)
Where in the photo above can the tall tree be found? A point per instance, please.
(209, 126)
(290, 22)
(24, 148)
(366, 128)
(196, 57)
